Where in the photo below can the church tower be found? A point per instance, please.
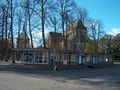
(77, 36)
(81, 32)
(23, 39)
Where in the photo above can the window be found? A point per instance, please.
(28, 57)
(74, 57)
(41, 57)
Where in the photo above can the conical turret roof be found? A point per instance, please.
(24, 35)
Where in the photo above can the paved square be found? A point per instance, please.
(85, 79)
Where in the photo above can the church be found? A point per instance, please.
(76, 35)
(75, 38)
(55, 53)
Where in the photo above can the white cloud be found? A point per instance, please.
(114, 31)
(38, 33)
(37, 36)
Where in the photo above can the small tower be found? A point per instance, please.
(54, 40)
(23, 39)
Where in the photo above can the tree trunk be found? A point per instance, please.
(3, 17)
(19, 28)
(11, 28)
(31, 39)
(63, 32)
(6, 24)
(43, 22)
(55, 24)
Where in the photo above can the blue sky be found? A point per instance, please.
(106, 10)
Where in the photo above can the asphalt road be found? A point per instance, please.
(85, 79)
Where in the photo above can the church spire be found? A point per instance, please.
(24, 33)
(23, 39)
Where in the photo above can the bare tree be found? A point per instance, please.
(3, 21)
(25, 9)
(53, 20)
(7, 8)
(96, 32)
(11, 27)
(19, 19)
(63, 8)
(6, 22)
(29, 8)
(42, 3)
(82, 14)
(45, 6)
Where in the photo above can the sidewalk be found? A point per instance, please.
(17, 65)
(20, 66)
